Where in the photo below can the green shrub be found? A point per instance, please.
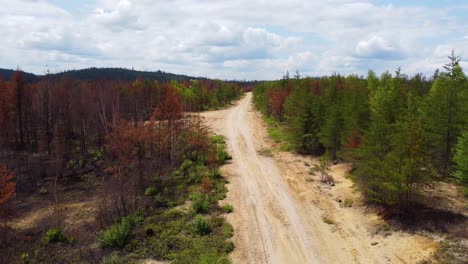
(159, 200)
(97, 154)
(221, 154)
(229, 247)
(75, 164)
(216, 174)
(200, 203)
(119, 234)
(55, 235)
(151, 191)
(201, 225)
(227, 230)
(228, 208)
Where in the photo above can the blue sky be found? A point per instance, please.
(233, 39)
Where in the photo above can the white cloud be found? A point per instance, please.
(379, 48)
(230, 39)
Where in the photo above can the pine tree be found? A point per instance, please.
(447, 113)
(303, 120)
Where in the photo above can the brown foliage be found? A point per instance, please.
(206, 185)
(7, 189)
(354, 140)
(277, 98)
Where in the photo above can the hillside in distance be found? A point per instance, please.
(118, 74)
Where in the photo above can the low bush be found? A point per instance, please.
(201, 226)
(119, 234)
(200, 203)
(151, 191)
(55, 235)
(229, 247)
(228, 208)
(221, 154)
(218, 139)
(227, 230)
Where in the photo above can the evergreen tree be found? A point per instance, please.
(447, 113)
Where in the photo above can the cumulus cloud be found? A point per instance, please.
(377, 47)
(123, 16)
(232, 39)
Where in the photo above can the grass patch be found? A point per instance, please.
(228, 208)
(275, 130)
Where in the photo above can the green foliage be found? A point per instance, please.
(119, 234)
(228, 208)
(275, 130)
(446, 115)
(229, 247)
(201, 225)
(221, 154)
(394, 163)
(218, 139)
(399, 133)
(200, 203)
(97, 154)
(75, 164)
(461, 159)
(322, 169)
(151, 191)
(55, 235)
(228, 230)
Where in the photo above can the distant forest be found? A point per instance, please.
(114, 74)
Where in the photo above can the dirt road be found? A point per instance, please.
(284, 215)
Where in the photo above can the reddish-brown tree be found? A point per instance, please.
(354, 140)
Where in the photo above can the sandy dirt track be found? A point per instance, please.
(279, 208)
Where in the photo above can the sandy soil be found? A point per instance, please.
(279, 209)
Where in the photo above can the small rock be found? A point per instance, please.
(338, 200)
(374, 243)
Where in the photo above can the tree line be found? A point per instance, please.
(400, 133)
